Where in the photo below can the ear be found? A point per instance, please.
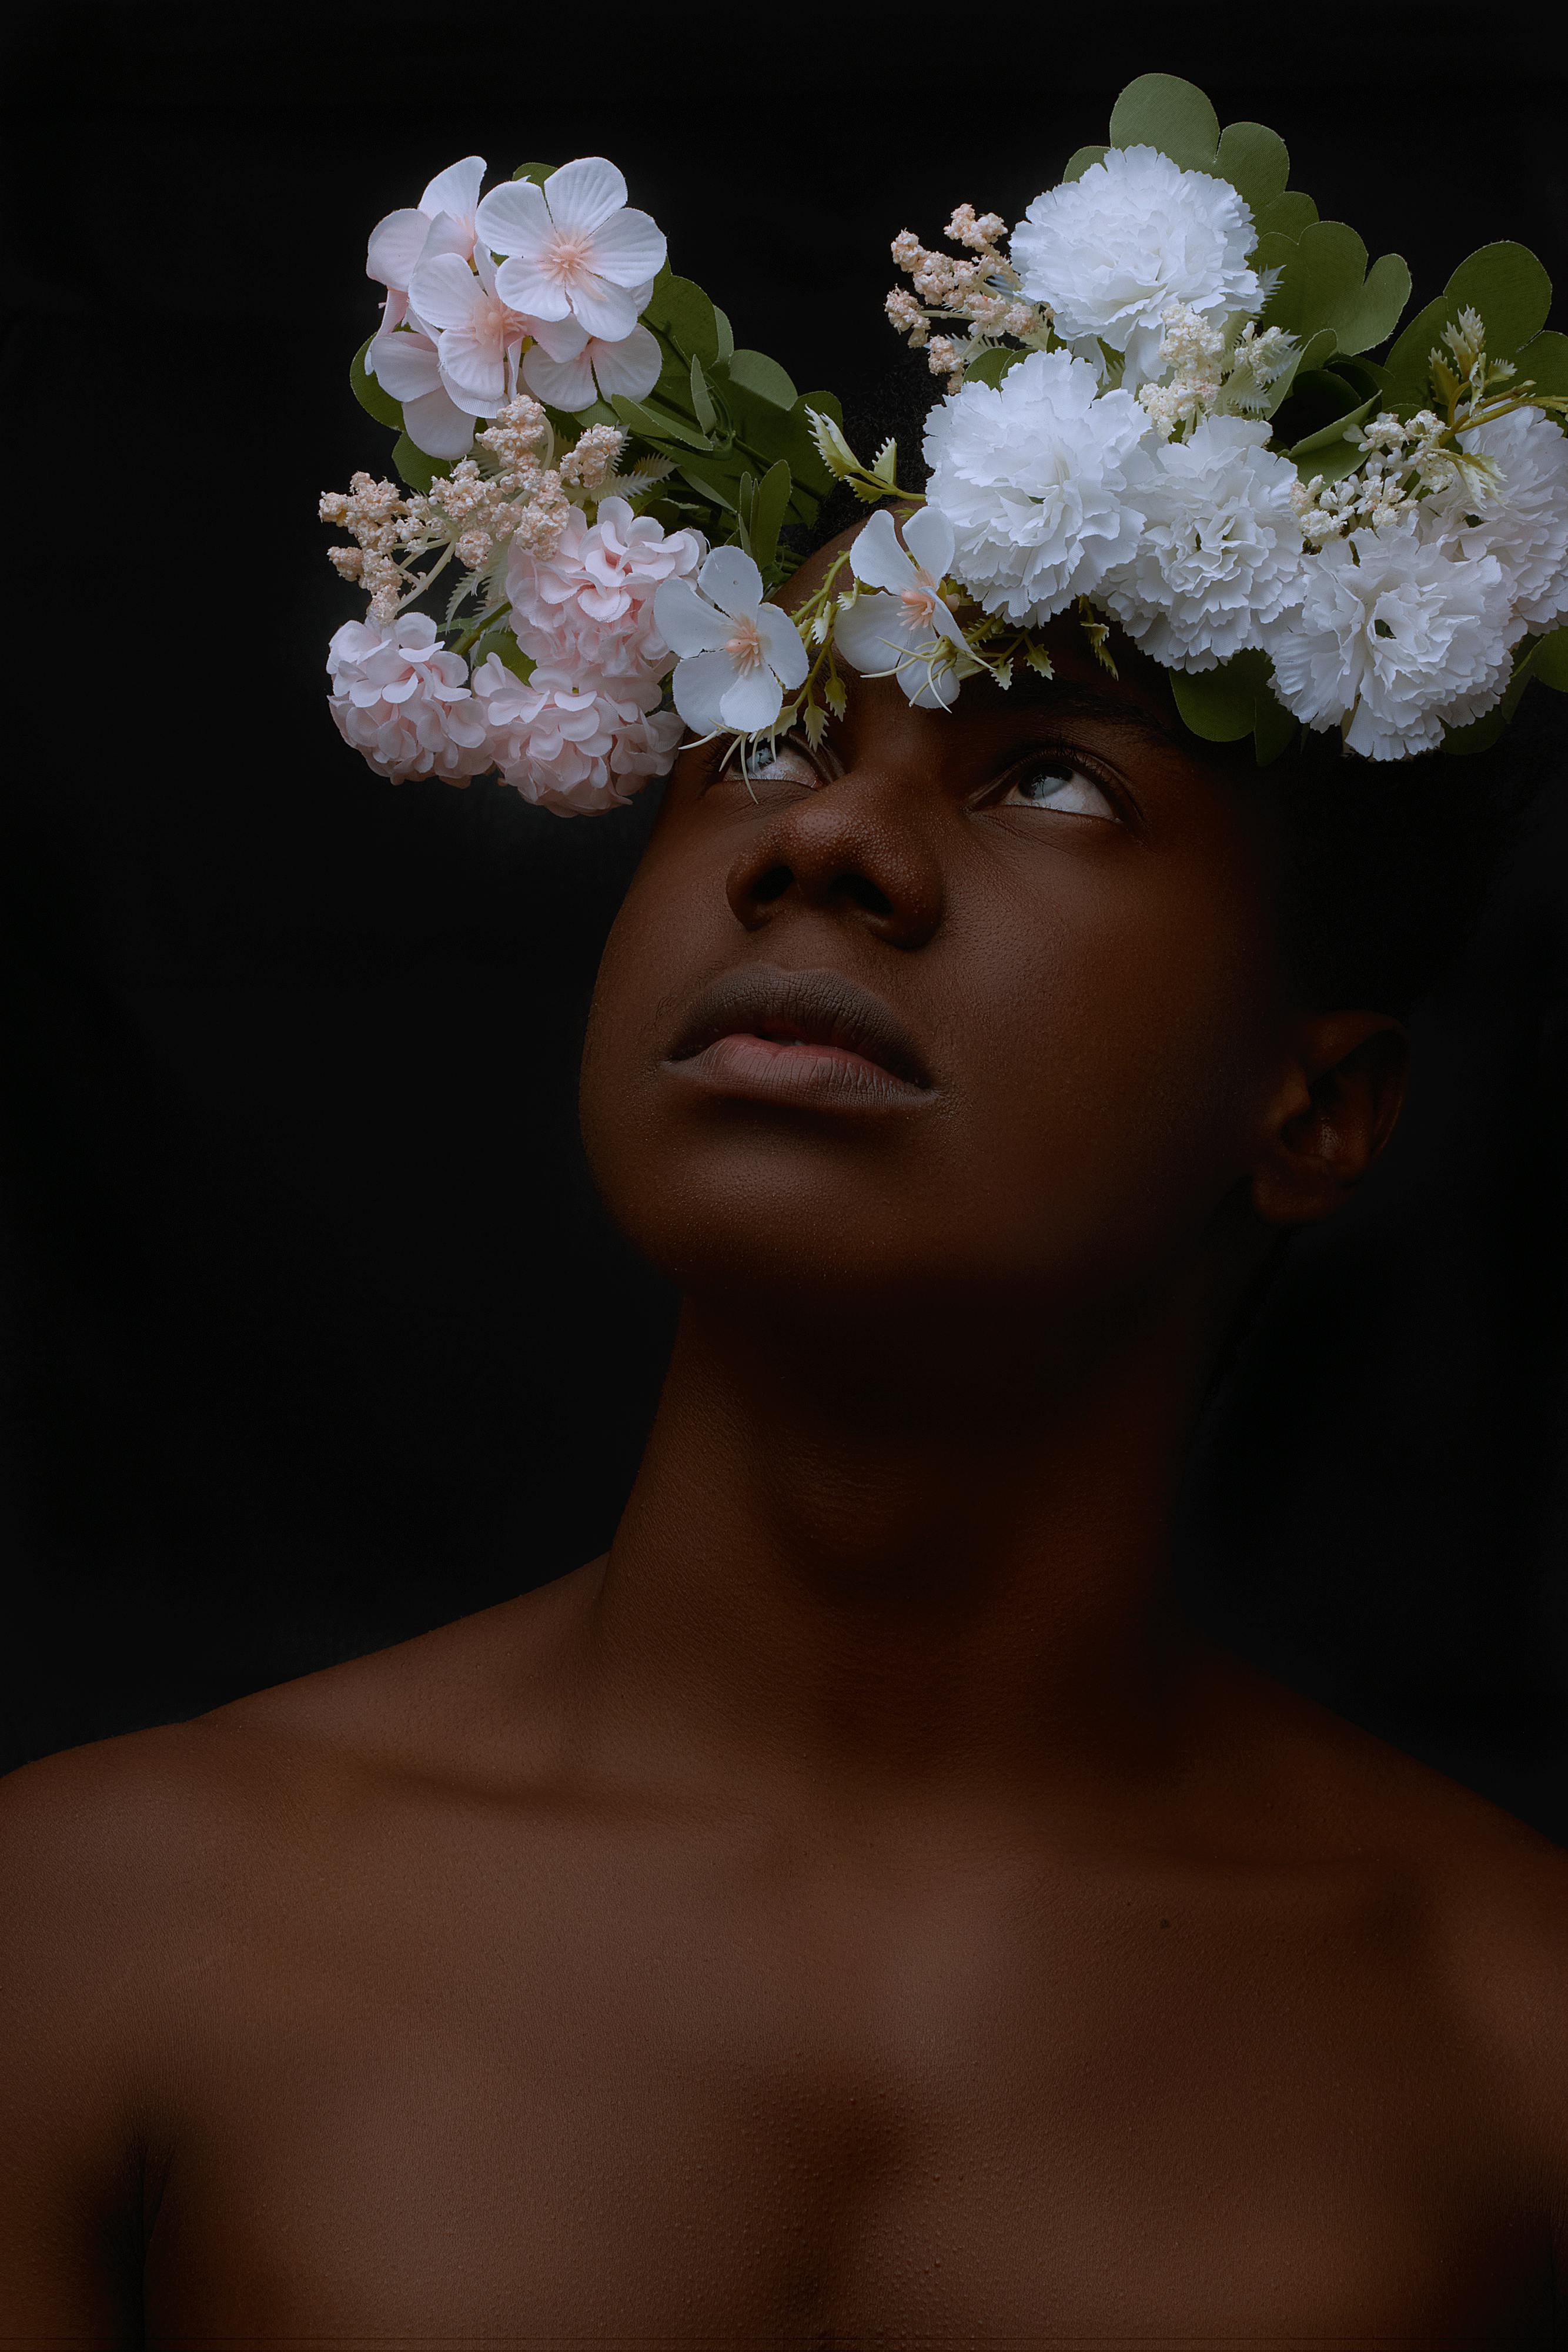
(1335, 1110)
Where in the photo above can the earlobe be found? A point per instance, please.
(1335, 1110)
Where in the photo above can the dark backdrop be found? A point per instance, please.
(315, 1334)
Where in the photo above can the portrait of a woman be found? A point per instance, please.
(877, 1900)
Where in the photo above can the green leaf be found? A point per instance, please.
(768, 512)
(706, 488)
(755, 372)
(1544, 360)
(1273, 728)
(1161, 111)
(370, 394)
(706, 415)
(679, 311)
(1328, 438)
(1077, 164)
(415, 469)
(1323, 269)
(657, 424)
(1287, 215)
(1509, 289)
(991, 367)
(1550, 663)
(1513, 293)
(1313, 352)
(1374, 313)
(726, 336)
(1255, 161)
(500, 639)
(538, 173)
(1219, 705)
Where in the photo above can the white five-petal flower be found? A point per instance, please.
(574, 246)
(903, 629)
(571, 369)
(442, 222)
(738, 654)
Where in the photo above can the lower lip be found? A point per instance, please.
(810, 1076)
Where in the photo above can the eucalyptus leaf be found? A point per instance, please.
(1544, 361)
(413, 466)
(1375, 312)
(538, 173)
(1550, 663)
(1287, 215)
(372, 396)
(1255, 161)
(1503, 282)
(1219, 705)
(1164, 111)
(1079, 163)
(755, 372)
(991, 367)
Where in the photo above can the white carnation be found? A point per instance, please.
(1109, 251)
(1399, 634)
(1039, 477)
(1219, 560)
(1524, 521)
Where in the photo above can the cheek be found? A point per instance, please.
(1114, 1085)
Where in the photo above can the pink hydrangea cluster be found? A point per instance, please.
(586, 732)
(403, 701)
(572, 741)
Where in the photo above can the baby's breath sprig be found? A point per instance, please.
(982, 295)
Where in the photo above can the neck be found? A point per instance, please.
(928, 1573)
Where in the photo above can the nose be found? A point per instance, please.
(841, 850)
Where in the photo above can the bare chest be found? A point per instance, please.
(567, 2097)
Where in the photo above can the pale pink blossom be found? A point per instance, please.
(905, 629)
(404, 702)
(442, 222)
(407, 365)
(588, 604)
(575, 249)
(571, 741)
(738, 654)
(571, 369)
(477, 335)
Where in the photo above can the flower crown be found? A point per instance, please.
(1158, 410)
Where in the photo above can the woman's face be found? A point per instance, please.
(980, 1005)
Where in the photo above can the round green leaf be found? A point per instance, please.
(1077, 164)
(1255, 161)
(1373, 313)
(755, 372)
(1161, 111)
(1509, 289)
(1544, 361)
(1217, 704)
(1550, 663)
(1287, 215)
(372, 396)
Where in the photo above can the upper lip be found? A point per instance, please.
(817, 1007)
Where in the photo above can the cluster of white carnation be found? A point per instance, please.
(1128, 466)
(583, 730)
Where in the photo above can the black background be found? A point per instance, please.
(316, 1336)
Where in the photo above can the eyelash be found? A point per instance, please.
(727, 770)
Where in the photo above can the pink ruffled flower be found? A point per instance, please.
(571, 741)
(588, 605)
(404, 702)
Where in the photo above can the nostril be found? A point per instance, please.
(866, 895)
(771, 884)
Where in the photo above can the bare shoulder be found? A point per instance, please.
(1490, 1892)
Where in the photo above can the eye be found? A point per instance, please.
(785, 761)
(1059, 784)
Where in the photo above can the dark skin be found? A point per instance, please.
(856, 1911)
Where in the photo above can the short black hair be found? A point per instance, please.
(1387, 861)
